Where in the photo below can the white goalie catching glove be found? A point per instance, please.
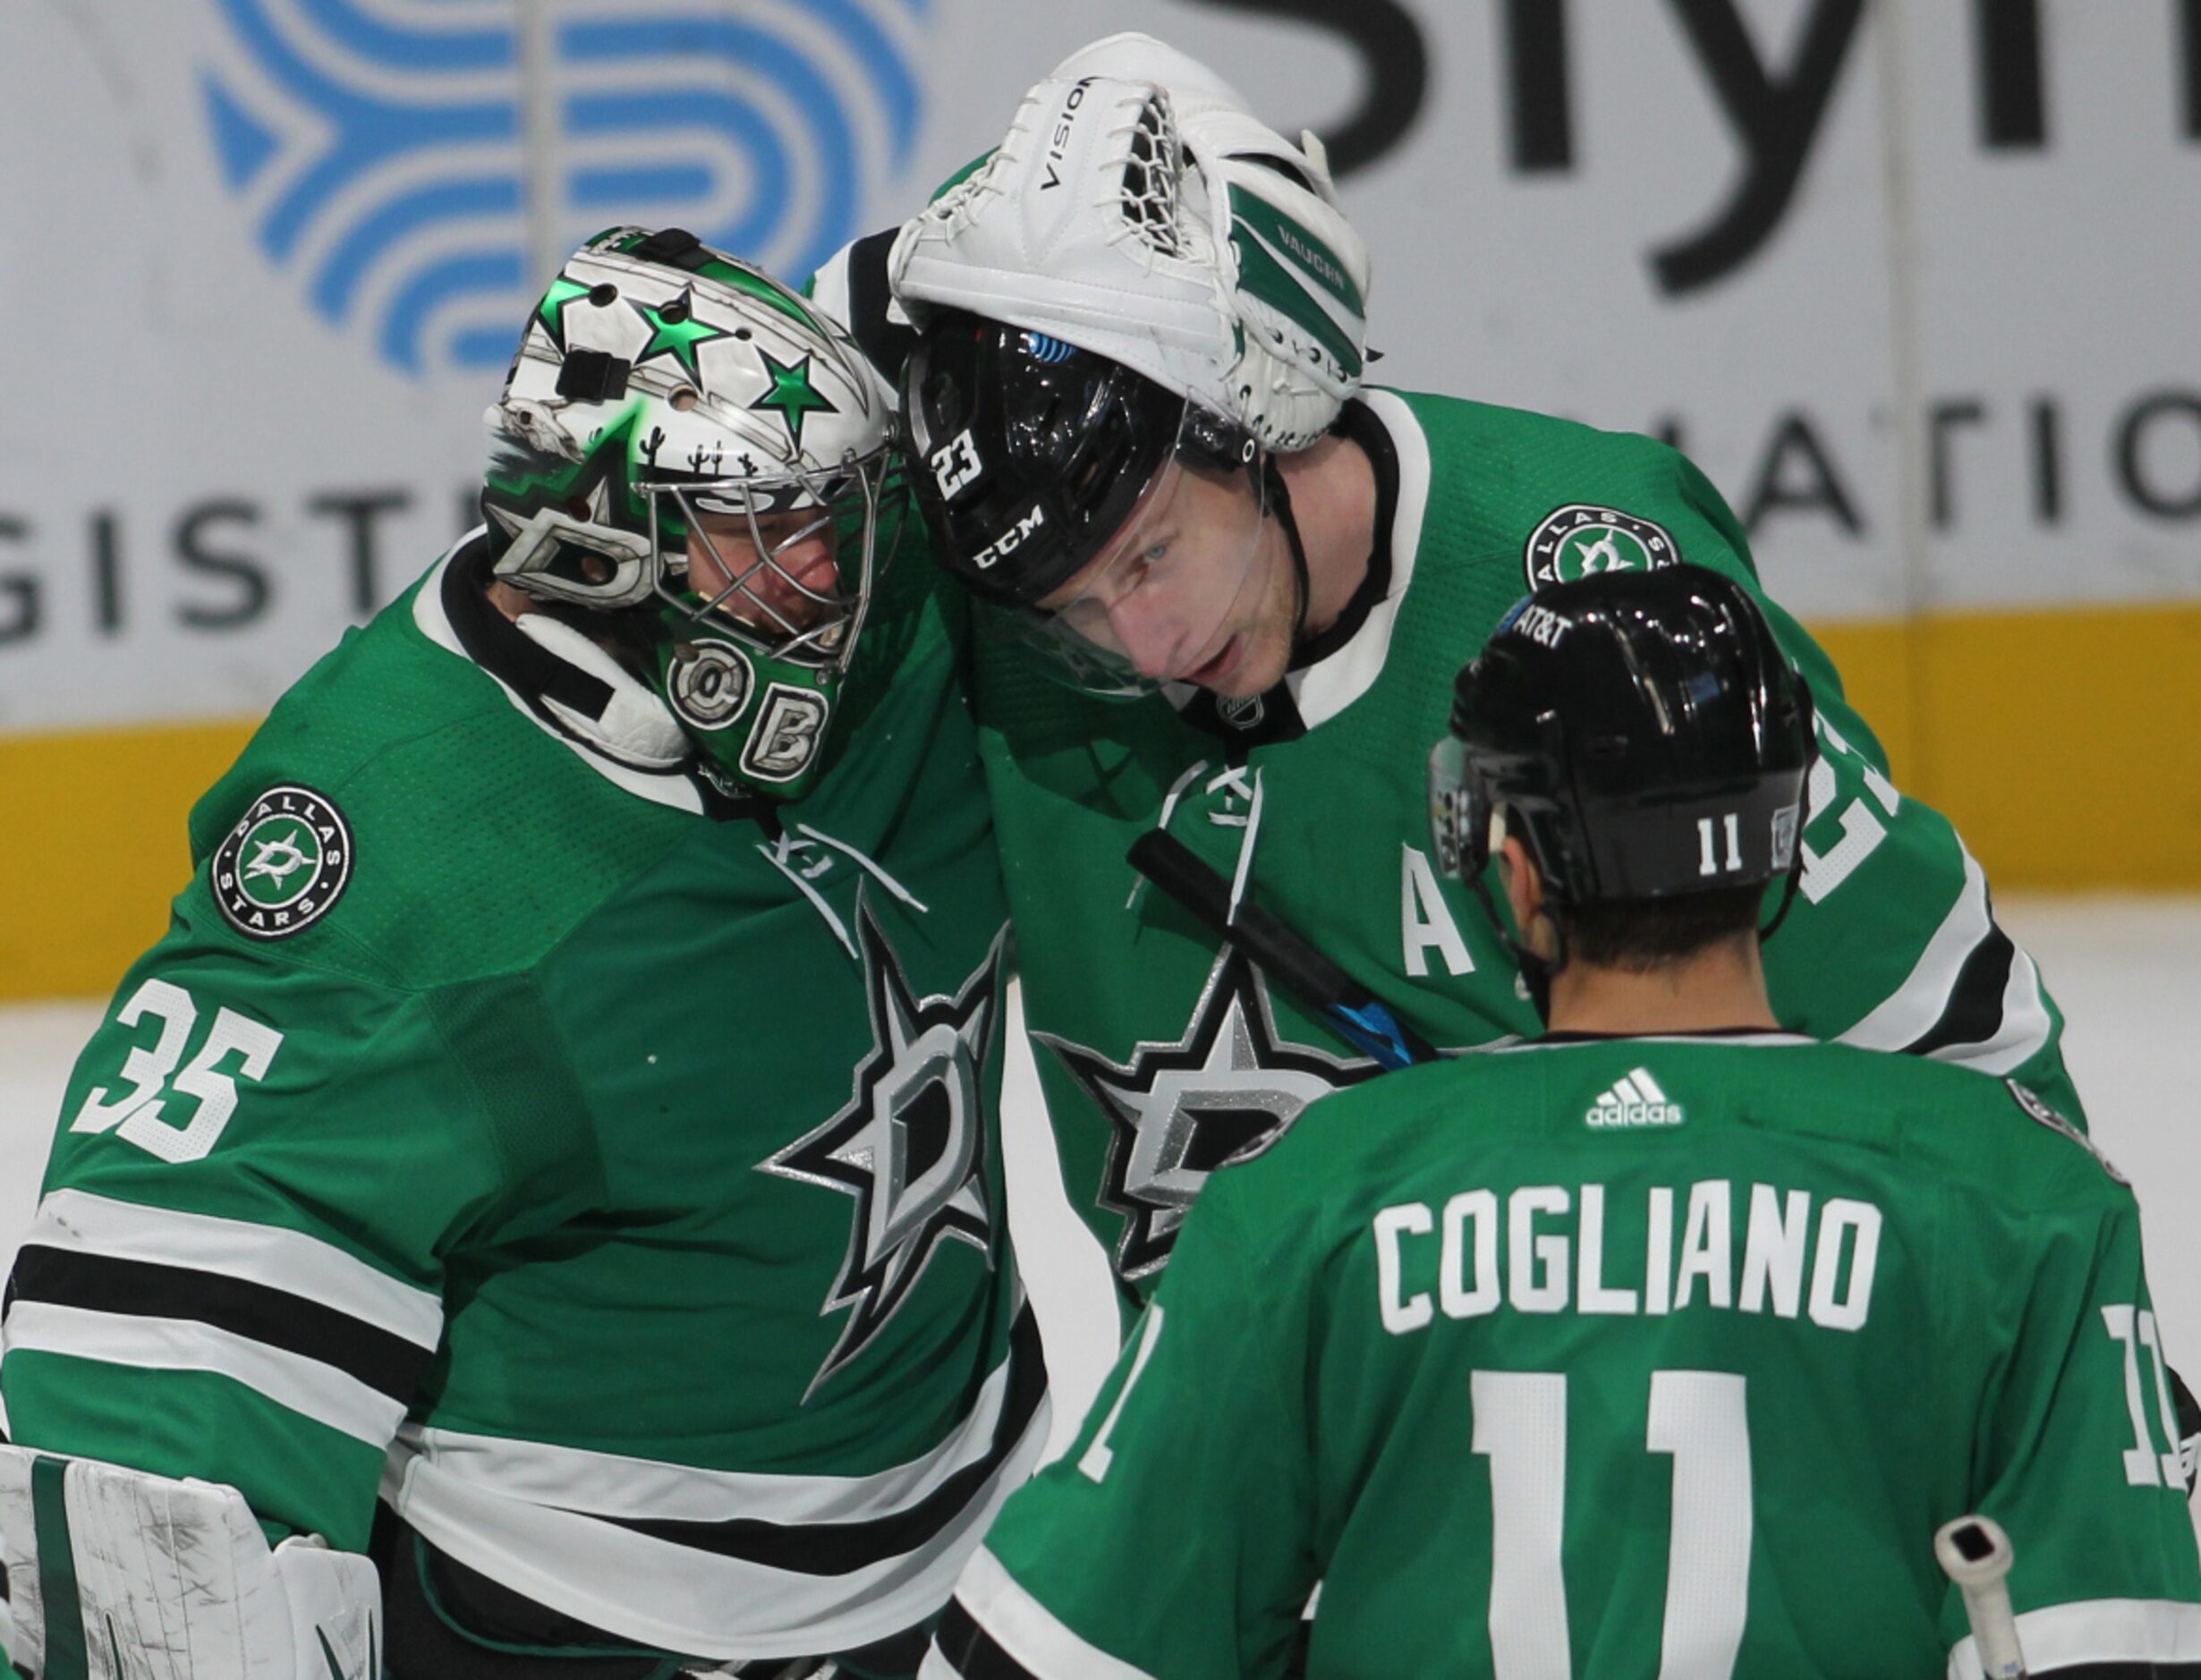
(122, 1575)
(1135, 209)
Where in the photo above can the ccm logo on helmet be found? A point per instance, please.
(1010, 541)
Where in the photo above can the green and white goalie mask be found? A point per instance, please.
(689, 448)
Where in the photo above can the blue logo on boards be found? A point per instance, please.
(415, 175)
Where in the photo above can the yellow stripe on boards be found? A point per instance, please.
(93, 845)
(2066, 744)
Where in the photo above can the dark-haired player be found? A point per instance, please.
(1662, 1342)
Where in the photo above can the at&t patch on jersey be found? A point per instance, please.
(1583, 541)
(284, 864)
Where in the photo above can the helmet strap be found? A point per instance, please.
(1787, 900)
(1269, 482)
(1536, 972)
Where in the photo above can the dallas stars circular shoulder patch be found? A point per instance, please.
(284, 865)
(1583, 539)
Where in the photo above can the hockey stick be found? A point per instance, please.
(1356, 1013)
(1975, 1553)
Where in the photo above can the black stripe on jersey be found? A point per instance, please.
(834, 1549)
(1974, 1014)
(142, 1289)
(971, 1651)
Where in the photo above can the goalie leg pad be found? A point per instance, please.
(122, 1575)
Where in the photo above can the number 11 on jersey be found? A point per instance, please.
(1699, 1419)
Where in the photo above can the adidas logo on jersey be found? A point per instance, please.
(1634, 1101)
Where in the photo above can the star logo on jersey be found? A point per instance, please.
(791, 396)
(274, 861)
(1223, 1093)
(910, 1148)
(283, 865)
(1582, 540)
(674, 331)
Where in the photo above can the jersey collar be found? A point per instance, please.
(1349, 657)
(1341, 674)
(1755, 1037)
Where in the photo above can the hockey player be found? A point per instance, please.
(1138, 428)
(1662, 1342)
(565, 1098)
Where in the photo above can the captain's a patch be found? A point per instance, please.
(1583, 540)
(284, 864)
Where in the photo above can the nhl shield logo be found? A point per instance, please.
(1583, 541)
(283, 865)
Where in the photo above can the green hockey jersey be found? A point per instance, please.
(1621, 1357)
(510, 1121)
(1163, 1056)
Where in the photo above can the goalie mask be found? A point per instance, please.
(689, 450)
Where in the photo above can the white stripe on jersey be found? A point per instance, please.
(1647, 1085)
(79, 1222)
(613, 1485)
(2097, 1631)
(305, 1385)
(1909, 1012)
(680, 1597)
(1923, 998)
(1330, 685)
(1027, 1630)
(2024, 1025)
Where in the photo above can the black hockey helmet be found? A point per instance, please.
(1029, 454)
(1644, 730)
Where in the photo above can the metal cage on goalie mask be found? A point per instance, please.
(1029, 454)
(1644, 729)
